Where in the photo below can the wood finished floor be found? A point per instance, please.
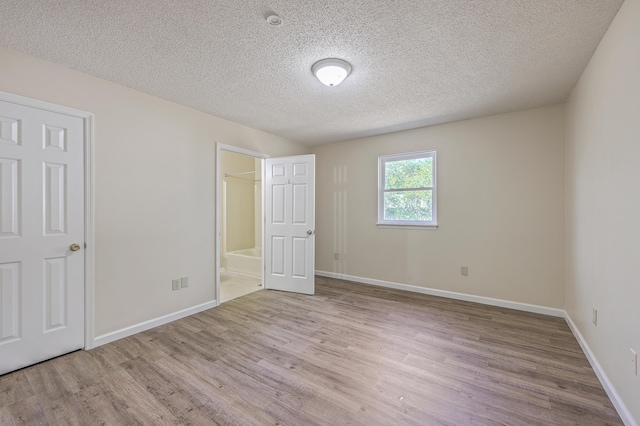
(352, 354)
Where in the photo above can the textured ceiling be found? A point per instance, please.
(415, 62)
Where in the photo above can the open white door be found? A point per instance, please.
(41, 235)
(290, 224)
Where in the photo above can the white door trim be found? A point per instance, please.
(237, 150)
(89, 210)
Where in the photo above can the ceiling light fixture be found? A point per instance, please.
(331, 71)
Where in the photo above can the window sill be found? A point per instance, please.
(407, 226)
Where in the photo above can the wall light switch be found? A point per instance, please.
(634, 362)
(464, 270)
(175, 284)
(184, 282)
(594, 317)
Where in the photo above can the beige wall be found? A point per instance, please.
(257, 204)
(155, 188)
(500, 209)
(603, 202)
(239, 201)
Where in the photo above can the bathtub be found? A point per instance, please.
(247, 261)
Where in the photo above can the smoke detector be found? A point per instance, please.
(274, 20)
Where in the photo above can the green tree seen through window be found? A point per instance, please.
(408, 189)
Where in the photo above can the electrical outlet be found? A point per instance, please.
(175, 284)
(595, 317)
(634, 362)
(464, 270)
(184, 282)
(336, 256)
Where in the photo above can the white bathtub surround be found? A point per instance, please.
(246, 261)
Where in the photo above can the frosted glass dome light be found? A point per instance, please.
(332, 71)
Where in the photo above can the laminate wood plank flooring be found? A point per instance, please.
(350, 355)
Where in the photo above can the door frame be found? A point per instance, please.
(219, 180)
(89, 201)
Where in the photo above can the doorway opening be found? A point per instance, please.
(240, 217)
(279, 236)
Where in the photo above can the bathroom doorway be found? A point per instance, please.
(240, 224)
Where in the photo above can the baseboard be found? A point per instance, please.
(448, 294)
(147, 325)
(624, 413)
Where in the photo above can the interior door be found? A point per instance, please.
(290, 224)
(41, 218)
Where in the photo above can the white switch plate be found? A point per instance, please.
(595, 317)
(175, 284)
(634, 362)
(184, 282)
(464, 270)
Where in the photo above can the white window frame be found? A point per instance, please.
(382, 160)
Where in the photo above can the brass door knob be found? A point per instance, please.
(74, 247)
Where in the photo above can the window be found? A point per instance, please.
(407, 189)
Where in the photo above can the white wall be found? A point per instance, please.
(603, 202)
(155, 188)
(500, 209)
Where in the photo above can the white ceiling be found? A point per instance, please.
(415, 62)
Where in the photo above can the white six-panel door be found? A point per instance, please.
(41, 217)
(290, 224)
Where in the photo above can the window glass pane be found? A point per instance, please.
(414, 173)
(408, 205)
